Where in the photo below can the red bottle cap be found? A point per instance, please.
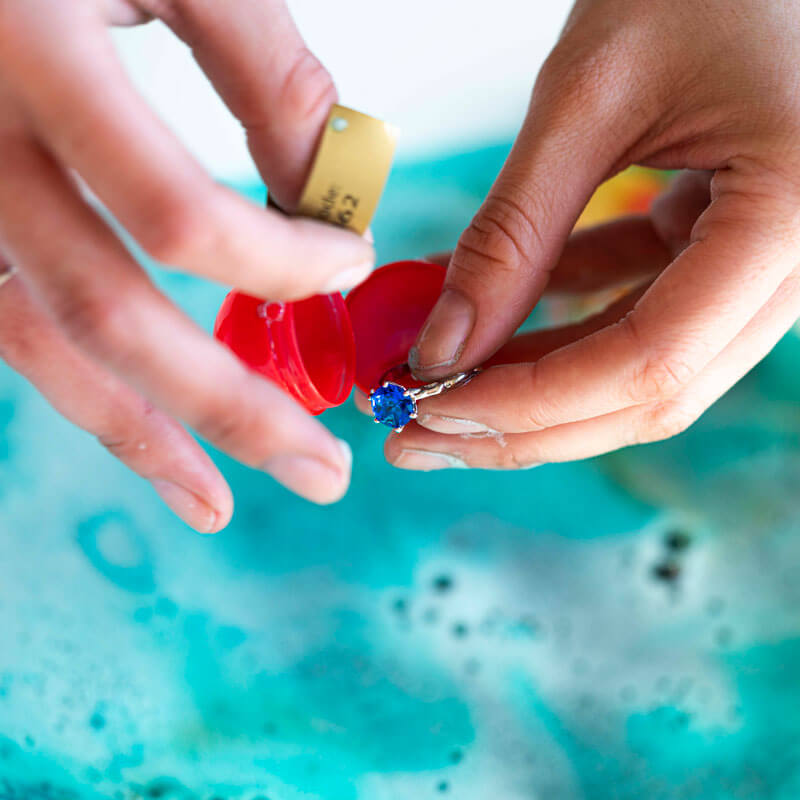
(315, 349)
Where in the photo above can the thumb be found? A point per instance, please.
(572, 139)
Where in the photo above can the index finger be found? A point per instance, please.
(81, 105)
(273, 84)
(105, 304)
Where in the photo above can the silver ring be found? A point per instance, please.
(395, 406)
(7, 274)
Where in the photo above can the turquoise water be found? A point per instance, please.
(626, 627)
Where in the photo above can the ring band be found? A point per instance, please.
(7, 275)
(437, 387)
(395, 406)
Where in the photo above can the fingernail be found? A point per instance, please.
(348, 278)
(187, 505)
(442, 340)
(428, 460)
(442, 424)
(311, 477)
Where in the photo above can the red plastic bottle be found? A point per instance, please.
(315, 349)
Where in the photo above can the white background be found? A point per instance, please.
(450, 74)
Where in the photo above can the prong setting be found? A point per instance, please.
(395, 406)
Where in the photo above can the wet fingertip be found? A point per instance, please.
(362, 403)
(190, 507)
(329, 498)
(391, 444)
(224, 514)
(347, 455)
(317, 480)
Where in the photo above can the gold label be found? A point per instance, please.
(349, 170)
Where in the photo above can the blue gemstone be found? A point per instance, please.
(391, 406)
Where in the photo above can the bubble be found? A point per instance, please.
(677, 540)
(442, 584)
(162, 787)
(97, 721)
(460, 630)
(118, 551)
(667, 571)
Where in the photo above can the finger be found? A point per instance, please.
(124, 13)
(443, 413)
(614, 254)
(576, 131)
(442, 259)
(529, 347)
(143, 438)
(419, 449)
(259, 63)
(675, 211)
(107, 306)
(79, 101)
(523, 348)
(617, 253)
(630, 249)
(743, 248)
(362, 402)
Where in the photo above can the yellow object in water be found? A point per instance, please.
(630, 192)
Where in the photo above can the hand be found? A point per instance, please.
(667, 83)
(80, 318)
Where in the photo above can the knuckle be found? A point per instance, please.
(508, 458)
(308, 89)
(664, 422)
(661, 373)
(94, 320)
(122, 447)
(588, 79)
(503, 234)
(235, 428)
(180, 229)
(534, 416)
(661, 376)
(127, 436)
